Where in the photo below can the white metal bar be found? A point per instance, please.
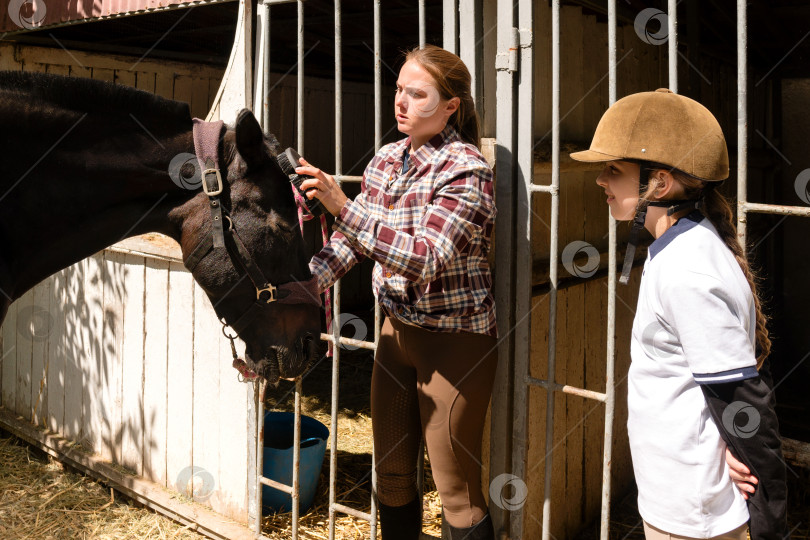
(353, 512)
(259, 460)
(552, 275)
(538, 188)
(450, 25)
(507, 441)
(295, 495)
(610, 367)
(340, 340)
(336, 300)
(275, 484)
(300, 89)
(340, 178)
(759, 208)
(742, 120)
(672, 43)
(566, 389)
(421, 23)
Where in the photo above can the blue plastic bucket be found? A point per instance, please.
(278, 459)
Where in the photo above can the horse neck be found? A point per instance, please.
(95, 181)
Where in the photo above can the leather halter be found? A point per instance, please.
(206, 147)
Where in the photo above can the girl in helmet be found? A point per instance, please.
(698, 382)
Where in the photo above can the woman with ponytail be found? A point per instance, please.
(425, 216)
(699, 384)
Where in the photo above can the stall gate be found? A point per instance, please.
(516, 99)
(464, 15)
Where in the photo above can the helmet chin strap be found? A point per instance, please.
(672, 206)
(638, 223)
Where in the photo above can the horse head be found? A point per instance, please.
(258, 281)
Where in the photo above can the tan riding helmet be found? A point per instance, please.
(658, 129)
(661, 127)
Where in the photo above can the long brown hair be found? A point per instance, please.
(718, 210)
(452, 79)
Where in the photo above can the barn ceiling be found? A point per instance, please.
(779, 33)
(205, 34)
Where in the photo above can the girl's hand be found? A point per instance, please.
(741, 475)
(322, 186)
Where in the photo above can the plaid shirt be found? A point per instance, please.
(428, 230)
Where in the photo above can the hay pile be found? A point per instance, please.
(41, 500)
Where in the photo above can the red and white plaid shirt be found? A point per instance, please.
(428, 229)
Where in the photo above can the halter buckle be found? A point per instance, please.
(268, 288)
(218, 175)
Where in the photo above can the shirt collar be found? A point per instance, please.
(423, 154)
(681, 226)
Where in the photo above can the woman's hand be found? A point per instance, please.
(741, 475)
(322, 186)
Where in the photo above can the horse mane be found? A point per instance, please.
(92, 96)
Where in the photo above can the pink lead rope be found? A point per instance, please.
(302, 217)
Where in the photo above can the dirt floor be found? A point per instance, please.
(40, 499)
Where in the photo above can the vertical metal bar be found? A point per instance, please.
(552, 277)
(523, 143)
(336, 302)
(742, 119)
(450, 25)
(471, 47)
(377, 146)
(610, 394)
(377, 79)
(265, 63)
(296, 482)
(508, 419)
(259, 458)
(421, 24)
(300, 94)
(672, 43)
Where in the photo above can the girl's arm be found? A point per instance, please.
(744, 414)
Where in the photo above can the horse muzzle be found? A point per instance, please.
(282, 362)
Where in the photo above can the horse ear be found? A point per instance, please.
(249, 138)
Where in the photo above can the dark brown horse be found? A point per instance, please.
(85, 164)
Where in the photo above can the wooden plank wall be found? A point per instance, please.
(114, 353)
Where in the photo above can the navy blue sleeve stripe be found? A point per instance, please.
(732, 375)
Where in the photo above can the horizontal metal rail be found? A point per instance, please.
(567, 389)
(779, 209)
(352, 512)
(539, 188)
(343, 178)
(340, 340)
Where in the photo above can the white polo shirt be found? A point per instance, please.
(695, 324)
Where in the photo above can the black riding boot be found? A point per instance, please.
(480, 531)
(401, 522)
